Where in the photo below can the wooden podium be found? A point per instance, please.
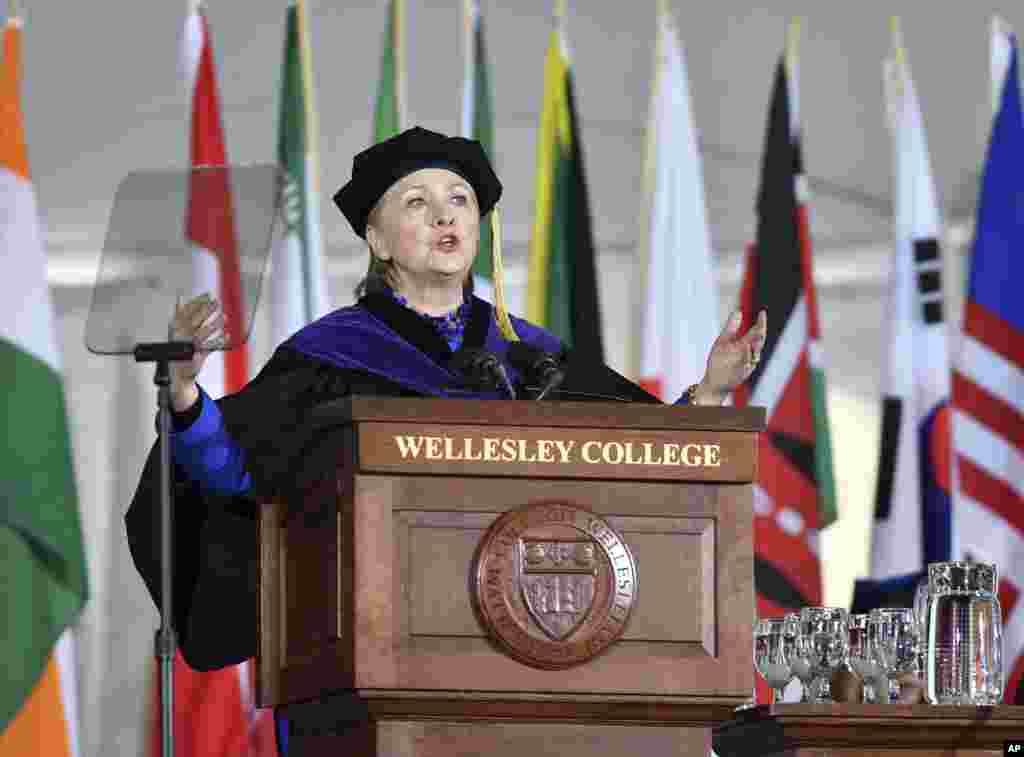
(456, 577)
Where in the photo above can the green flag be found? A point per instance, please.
(389, 114)
(298, 286)
(478, 124)
(562, 291)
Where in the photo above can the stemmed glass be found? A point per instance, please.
(800, 661)
(861, 661)
(773, 650)
(894, 641)
(825, 638)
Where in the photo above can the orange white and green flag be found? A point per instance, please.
(43, 578)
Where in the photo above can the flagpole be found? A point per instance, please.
(793, 44)
(398, 43)
(561, 14)
(1000, 59)
(466, 125)
(898, 59)
(306, 54)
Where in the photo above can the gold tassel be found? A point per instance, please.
(500, 309)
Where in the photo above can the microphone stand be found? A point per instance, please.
(543, 366)
(485, 370)
(554, 379)
(502, 379)
(165, 642)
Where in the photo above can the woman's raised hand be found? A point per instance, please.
(732, 360)
(201, 322)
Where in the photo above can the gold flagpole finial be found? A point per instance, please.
(662, 8)
(15, 10)
(561, 10)
(899, 53)
(895, 72)
(793, 41)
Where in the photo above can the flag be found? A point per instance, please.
(209, 225)
(912, 503)
(42, 560)
(680, 307)
(214, 712)
(298, 288)
(478, 124)
(562, 285)
(794, 497)
(389, 112)
(988, 376)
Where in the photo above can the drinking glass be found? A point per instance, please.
(773, 650)
(860, 659)
(800, 661)
(894, 641)
(920, 608)
(825, 636)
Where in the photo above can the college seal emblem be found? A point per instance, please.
(553, 584)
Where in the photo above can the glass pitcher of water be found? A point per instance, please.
(964, 663)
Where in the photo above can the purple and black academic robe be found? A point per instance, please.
(376, 347)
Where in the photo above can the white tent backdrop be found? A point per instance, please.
(102, 99)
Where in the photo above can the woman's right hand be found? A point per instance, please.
(201, 322)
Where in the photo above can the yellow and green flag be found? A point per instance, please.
(562, 291)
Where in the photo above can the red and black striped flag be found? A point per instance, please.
(795, 492)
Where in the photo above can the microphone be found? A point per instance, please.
(484, 369)
(542, 368)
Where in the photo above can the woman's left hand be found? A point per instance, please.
(732, 360)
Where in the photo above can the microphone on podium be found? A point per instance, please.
(484, 369)
(538, 367)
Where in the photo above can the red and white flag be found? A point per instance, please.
(680, 308)
(988, 377)
(209, 222)
(214, 712)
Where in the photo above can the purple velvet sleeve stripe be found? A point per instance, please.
(209, 456)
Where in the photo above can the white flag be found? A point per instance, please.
(680, 309)
(912, 506)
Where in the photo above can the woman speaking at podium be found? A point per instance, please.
(417, 330)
